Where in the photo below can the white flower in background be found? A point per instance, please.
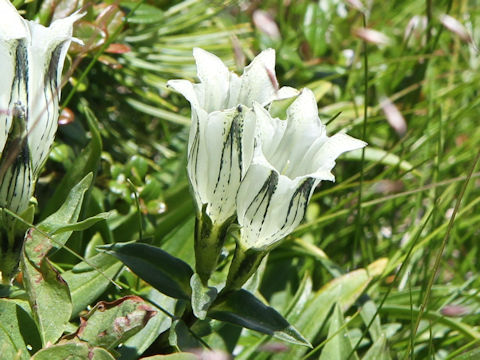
(221, 141)
(31, 61)
(292, 156)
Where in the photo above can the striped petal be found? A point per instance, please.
(270, 206)
(31, 58)
(291, 157)
(221, 149)
(46, 54)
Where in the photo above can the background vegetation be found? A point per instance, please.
(385, 264)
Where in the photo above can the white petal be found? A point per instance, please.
(221, 153)
(46, 54)
(16, 177)
(253, 199)
(270, 206)
(214, 76)
(258, 80)
(12, 25)
(324, 160)
(269, 130)
(286, 92)
(186, 88)
(303, 129)
(12, 28)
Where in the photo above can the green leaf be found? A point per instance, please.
(84, 224)
(17, 330)
(243, 308)
(367, 312)
(315, 25)
(202, 296)
(73, 351)
(469, 355)
(179, 241)
(378, 351)
(111, 323)
(88, 281)
(66, 215)
(47, 292)
(144, 14)
(180, 336)
(386, 158)
(166, 273)
(338, 346)
(141, 341)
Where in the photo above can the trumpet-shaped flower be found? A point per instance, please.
(31, 59)
(220, 146)
(291, 157)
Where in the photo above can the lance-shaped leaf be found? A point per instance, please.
(88, 280)
(242, 308)
(31, 59)
(166, 273)
(47, 292)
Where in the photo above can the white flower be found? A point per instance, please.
(221, 141)
(31, 61)
(291, 157)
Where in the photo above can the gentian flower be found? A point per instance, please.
(291, 157)
(31, 61)
(221, 142)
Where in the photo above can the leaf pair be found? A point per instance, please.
(173, 277)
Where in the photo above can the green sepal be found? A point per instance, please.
(244, 264)
(209, 240)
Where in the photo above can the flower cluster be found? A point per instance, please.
(246, 164)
